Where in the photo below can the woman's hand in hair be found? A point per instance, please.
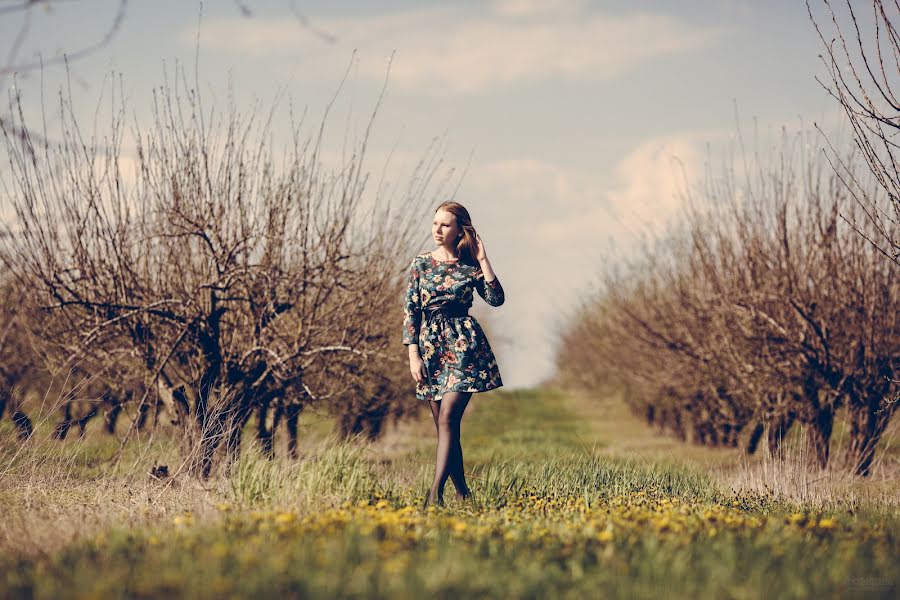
(481, 254)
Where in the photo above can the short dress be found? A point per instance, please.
(456, 352)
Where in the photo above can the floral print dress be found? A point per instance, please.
(456, 352)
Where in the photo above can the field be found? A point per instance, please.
(573, 498)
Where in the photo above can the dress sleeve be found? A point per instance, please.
(412, 311)
(491, 291)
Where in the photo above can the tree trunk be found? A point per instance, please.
(778, 430)
(23, 425)
(209, 443)
(62, 428)
(83, 421)
(755, 437)
(293, 414)
(866, 428)
(112, 408)
(143, 413)
(264, 434)
(183, 420)
(820, 435)
(678, 425)
(235, 427)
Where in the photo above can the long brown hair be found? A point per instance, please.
(467, 246)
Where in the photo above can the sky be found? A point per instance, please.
(574, 126)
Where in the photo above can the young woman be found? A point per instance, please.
(449, 355)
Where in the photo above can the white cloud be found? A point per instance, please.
(445, 50)
(644, 196)
(564, 207)
(538, 8)
(530, 179)
(653, 179)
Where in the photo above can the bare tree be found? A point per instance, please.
(17, 365)
(760, 307)
(234, 280)
(863, 67)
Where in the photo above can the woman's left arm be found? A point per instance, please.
(488, 286)
(489, 275)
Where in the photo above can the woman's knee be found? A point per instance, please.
(435, 411)
(448, 419)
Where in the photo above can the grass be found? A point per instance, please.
(571, 500)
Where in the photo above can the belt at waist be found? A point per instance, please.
(448, 308)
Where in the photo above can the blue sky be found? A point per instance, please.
(583, 120)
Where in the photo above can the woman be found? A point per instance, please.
(449, 355)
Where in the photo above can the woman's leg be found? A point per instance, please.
(457, 472)
(459, 479)
(452, 407)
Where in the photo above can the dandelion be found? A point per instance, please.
(183, 520)
(396, 564)
(285, 518)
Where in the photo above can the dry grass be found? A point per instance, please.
(796, 480)
(625, 435)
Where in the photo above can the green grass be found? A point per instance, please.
(239, 559)
(525, 426)
(558, 511)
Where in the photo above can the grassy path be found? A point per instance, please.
(522, 425)
(532, 426)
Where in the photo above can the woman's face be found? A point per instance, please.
(444, 228)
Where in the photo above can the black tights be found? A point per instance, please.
(448, 414)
